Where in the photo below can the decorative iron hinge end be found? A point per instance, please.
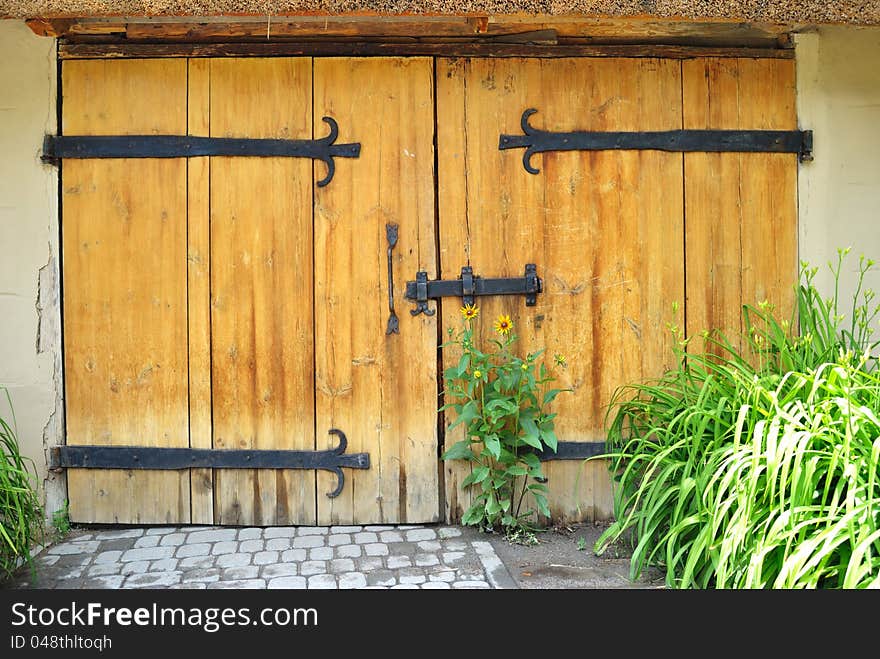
(806, 153)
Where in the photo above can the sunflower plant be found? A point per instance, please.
(503, 401)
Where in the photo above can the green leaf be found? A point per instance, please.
(463, 364)
(549, 438)
(516, 470)
(551, 395)
(541, 500)
(492, 506)
(480, 474)
(493, 446)
(459, 451)
(531, 460)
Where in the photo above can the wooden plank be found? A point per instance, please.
(261, 289)
(125, 308)
(605, 229)
(381, 390)
(741, 213)
(199, 290)
(408, 47)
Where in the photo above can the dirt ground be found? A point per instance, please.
(564, 559)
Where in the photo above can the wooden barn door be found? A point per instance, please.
(228, 303)
(618, 237)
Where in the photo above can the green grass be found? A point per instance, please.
(20, 512)
(757, 467)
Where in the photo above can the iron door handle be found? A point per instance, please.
(393, 325)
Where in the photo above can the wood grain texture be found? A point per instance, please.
(261, 289)
(741, 209)
(605, 229)
(125, 280)
(379, 389)
(199, 289)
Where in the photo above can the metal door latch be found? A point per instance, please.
(468, 286)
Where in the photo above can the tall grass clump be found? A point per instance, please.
(756, 462)
(21, 515)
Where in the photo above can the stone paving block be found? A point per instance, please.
(365, 537)
(322, 581)
(425, 560)
(48, 560)
(395, 562)
(173, 539)
(292, 555)
(429, 545)
(408, 548)
(161, 530)
(87, 547)
(455, 545)
(250, 533)
(279, 532)
(405, 586)
(451, 557)
(287, 582)
(253, 545)
(214, 535)
(416, 535)
(448, 532)
(147, 541)
(280, 570)
(164, 565)
(376, 549)
(336, 539)
(378, 527)
(104, 569)
(196, 562)
(411, 575)
(153, 580)
(119, 544)
(321, 553)
(71, 573)
(311, 530)
(73, 560)
(147, 554)
(408, 527)
(435, 585)
(348, 551)
(338, 565)
(308, 541)
(391, 536)
(233, 560)
(241, 573)
(351, 580)
(368, 563)
(250, 584)
(470, 584)
(108, 557)
(192, 585)
(111, 582)
(309, 568)
(226, 547)
(205, 576)
(346, 529)
(442, 576)
(135, 567)
(265, 557)
(116, 534)
(381, 578)
(278, 544)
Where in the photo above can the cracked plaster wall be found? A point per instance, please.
(30, 342)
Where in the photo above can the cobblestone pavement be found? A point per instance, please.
(427, 556)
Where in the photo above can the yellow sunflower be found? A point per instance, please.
(503, 324)
(470, 311)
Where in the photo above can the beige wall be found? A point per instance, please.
(838, 78)
(30, 348)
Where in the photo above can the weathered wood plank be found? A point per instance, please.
(261, 289)
(381, 390)
(199, 290)
(405, 47)
(741, 214)
(125, 276)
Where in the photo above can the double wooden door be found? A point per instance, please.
(230, 302)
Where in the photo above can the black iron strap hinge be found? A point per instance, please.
(56, 147)
(468, 286)
(147, 457)
(534, 140)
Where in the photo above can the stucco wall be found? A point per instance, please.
(30, 348)
(838, 79)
